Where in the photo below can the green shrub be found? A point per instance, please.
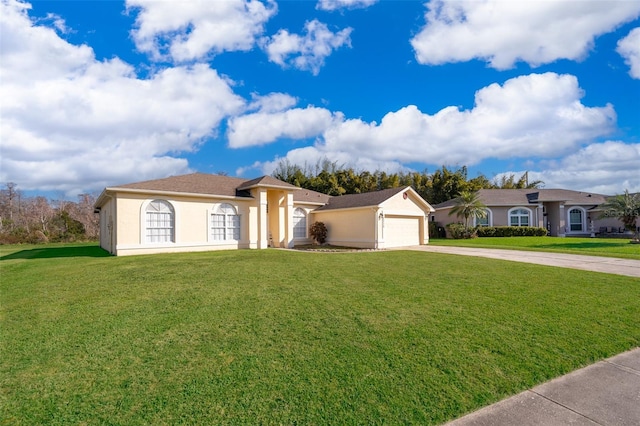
(38, 237)
(319, 232)
(511, 231)
(458, 231)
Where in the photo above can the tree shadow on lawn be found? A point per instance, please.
(55, 252)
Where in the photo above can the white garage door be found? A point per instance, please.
(401, 231)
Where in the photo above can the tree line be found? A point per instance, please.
(40, 220)
(442, 185)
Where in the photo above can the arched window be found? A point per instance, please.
(299, 223)
(159, 222)
(519, 217)
(225, 223)
(576, 220)
(487, 220)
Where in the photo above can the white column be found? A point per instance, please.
(540, 214)
(562, 222)
(288, 221)
(263, 229)
(425, 229)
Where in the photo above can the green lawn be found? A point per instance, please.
(281, 337)
(610, 247)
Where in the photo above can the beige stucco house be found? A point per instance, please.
(562, 212)
(201, 212)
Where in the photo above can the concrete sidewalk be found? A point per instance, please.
(608, 265)
(606, 393)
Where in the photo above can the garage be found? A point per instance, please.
(394, 217)
(400, 231)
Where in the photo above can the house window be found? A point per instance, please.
(483, 221)
(225, 223)
(519, 217)
(299, 223)
(576, 220)
(159, 222)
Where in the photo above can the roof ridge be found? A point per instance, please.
(267, 181)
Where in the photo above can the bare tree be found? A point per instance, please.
(43, 213)
(8, 199)
(83, 213)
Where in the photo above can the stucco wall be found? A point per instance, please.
(128, 214)
(500, 216)
(398, 205)
(191, 225)
(108, 225)
(442, 217)
(352, 228)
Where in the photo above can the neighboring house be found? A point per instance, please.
(563, 212)
(201, 212)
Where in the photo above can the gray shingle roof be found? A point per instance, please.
(195, 183)
(267, 181)
(519, 197)
(309, 196)
(360, 200)
(202, 183)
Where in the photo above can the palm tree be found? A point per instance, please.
(625, 207)
(468, 205)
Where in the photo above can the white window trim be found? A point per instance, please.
(306, 227)
(143, 223)
(213, 210)
(530, 212)
(584, 224)
(489, 218)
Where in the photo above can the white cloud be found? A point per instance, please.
(331, 5)
(57, 21)
(273, 102)
(24, 51)
(603, 168)
(539, 115)
(534, 116)
(504, 32)
(629, 49)
(184, 31)
(306, 52)
(69, 120)
(263, 127)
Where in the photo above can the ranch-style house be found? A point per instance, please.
(562, 212)
(201, 212)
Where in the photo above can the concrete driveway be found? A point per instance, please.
(609, 265)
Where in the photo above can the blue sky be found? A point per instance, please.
(101, 93)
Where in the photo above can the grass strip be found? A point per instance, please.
(606, 247)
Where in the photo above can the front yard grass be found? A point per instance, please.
(608, 247)
(285, 337)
